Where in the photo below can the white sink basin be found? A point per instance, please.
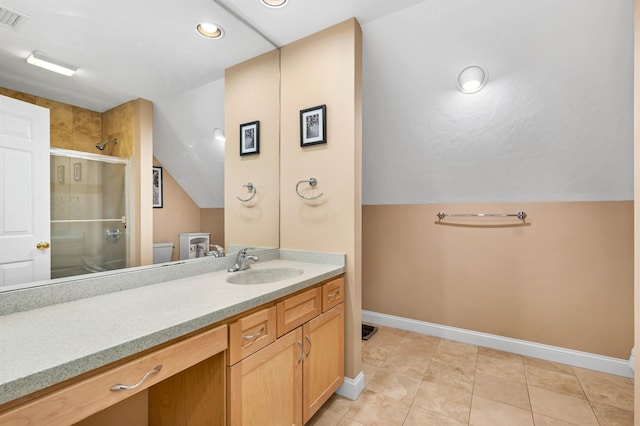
(263, 275)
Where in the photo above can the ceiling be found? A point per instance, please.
(149, 49)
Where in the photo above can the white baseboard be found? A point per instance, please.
(587, 360)
(351, 388)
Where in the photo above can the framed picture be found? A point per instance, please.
(250, 138)
(157, 187)
(313, 125)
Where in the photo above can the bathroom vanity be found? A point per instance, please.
(187, 351)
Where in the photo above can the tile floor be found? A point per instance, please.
(413, 379)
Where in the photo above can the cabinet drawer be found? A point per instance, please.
(296, 310)
(251, 333)
(77, 401)
(332, 294)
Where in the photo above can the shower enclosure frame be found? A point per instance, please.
(128, 194)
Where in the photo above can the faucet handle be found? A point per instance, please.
(244, 250)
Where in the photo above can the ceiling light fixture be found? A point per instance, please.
(209, 30)
(40, 60)
(218, 134)
(472, 79)
(274, 4)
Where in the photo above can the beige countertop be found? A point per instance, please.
(44, 346)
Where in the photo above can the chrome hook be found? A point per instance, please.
(251, 189)
(311, 181)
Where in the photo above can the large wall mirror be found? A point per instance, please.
(181, 72)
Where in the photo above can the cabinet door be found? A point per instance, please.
(266, 387)
(324, 359)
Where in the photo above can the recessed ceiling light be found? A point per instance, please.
(39, 60)
(472, 79)
(274, 3)
(209, 30)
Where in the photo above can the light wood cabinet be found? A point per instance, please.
(80, 400)
(251, 333)
(286, 382)
(266, 387)
(324, 359)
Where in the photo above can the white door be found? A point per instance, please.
(24, 192)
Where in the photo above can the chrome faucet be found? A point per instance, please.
(242, 262)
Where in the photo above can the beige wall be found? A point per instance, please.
(563, 278)
(212, 221)
(636, 168)
(119, 123)
(325, 68)
(252, 93)
(179, 213)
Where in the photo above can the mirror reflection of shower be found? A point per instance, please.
(101, 145)
(88, 213)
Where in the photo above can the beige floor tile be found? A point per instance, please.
(562, 407)
(548, 365)
(446, 400)
(348, 422)
(451, 375)
(420, 417)
(416, 348)
(451, 346)
(498, 354)
(395, 385)
(410, 365)
(386, 337)
(369, 371)
(502, 390)
(554, 381)
(325, 417)
(374, 408)
(338, 404)
(463, 359)
(540, 420)
(607, 389)
(612, 416)
(506, 368)
(485, 412)
(421, 339)
(375, 355)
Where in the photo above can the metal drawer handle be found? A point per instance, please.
(306, 336)
(253, 336)
(155, 369)
(301, 351)
(334, 294)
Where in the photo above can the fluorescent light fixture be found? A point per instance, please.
(274, 4)
(40, 60)
(209, 30)
(472, 79)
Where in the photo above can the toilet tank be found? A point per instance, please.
(162, 252)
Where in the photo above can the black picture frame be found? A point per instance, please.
(250, 138)
(313, 125)
(157, 187)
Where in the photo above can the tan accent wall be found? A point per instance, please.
(325, 68)
(212, 221)
(142, 182)
(252, 93)
(564, 277)
(636, 179)
(179, 213)
(119, 123)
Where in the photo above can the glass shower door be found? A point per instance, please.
(88, 216)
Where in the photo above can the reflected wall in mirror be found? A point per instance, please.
(252, 93)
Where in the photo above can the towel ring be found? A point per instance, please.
(251, 189)
(311, 181)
